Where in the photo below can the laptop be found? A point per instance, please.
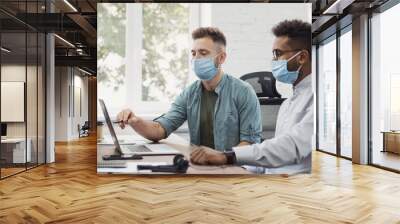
(138, 149)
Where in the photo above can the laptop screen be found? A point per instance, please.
(110, 126)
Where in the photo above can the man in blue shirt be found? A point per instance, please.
(222, 111)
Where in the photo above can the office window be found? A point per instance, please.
(394, 102)
(111, 53)
(144, 59)
(385, 89)
(346, 93)
(165, 51)
(327, 95)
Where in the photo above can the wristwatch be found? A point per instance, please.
(230, 156)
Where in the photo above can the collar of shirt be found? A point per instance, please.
(217, 89)
(303, 84)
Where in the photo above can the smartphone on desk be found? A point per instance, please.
(122, 157)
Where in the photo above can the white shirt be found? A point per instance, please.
(289, 152)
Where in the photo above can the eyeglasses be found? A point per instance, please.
(278, 53)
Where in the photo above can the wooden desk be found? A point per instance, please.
(179, 144)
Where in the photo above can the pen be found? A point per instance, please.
(117, 122)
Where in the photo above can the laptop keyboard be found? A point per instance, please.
(136, 148)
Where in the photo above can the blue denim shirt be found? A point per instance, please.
(237, 115)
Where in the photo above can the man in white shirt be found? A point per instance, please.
(289, 151)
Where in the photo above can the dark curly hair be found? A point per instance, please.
(212, 32)
(298, 32)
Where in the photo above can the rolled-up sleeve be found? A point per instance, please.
(285, 149)
(176, 115)
(250, 116)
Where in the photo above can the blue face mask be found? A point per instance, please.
(204, 68)
(281, 73)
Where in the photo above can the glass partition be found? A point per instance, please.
(41, 97)
(327, 95)
(13, 109)
(31, 98)
(22, 90)
(346, 93)
(385, 89)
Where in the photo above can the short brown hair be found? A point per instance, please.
(212, 32)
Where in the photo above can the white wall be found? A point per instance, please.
(68, 82)
(61, 103)
(33, 126)
(12, 73)
(80, 83)
(247, 27)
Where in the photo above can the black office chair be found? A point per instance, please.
(84, 130)
(270, 100)
(264, 84)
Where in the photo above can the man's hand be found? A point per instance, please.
(207, 156)
(125, 117)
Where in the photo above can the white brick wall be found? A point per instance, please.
(247, 27)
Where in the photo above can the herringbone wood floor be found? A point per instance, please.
(70, 191)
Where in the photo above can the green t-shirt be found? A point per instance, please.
(208, 99)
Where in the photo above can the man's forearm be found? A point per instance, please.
(149, 129)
